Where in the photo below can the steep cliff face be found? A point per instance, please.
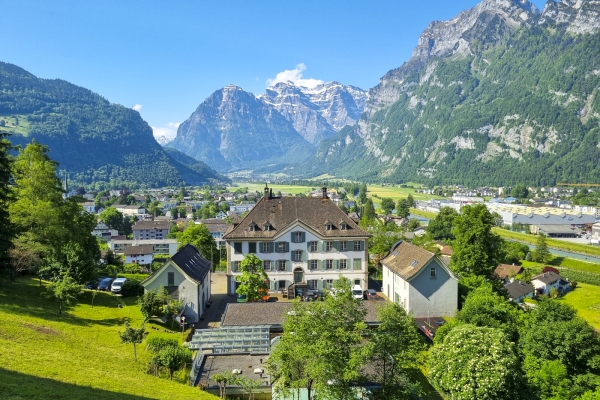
(233, 129)
(318, 112)
(580, 16)
(498, 95)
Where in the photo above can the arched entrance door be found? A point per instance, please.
(298, 275)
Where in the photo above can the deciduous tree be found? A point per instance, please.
(476, 363)
(403, 209)
(254, 281)
(541, 253)
(387, 205)
(133, 336)
(6, 197)
(173, 357)
(199, 236)
(440, 228)
(477, 250)
(64, 291)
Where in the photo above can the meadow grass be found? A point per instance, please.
(586, 299)
(396, 193)
(553, 243)
(284, 189)
(77, 354)
(426, 214)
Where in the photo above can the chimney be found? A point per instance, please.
(324, 189)
(266, 195)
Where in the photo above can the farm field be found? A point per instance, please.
(554, 243)
(284, 189)
(586, 299)
(77, 354)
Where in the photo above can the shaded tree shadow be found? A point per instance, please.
(556, 261)
(15, 385)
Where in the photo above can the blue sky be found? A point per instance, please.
(166, 57)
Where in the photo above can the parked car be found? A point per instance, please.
(372, 294)
(357, 292)
(104, 284)
(93, 285)
(117, 284)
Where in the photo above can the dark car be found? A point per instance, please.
(93, 285)
(104, 284)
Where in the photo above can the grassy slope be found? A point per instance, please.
(553, 243)
(586, 299)
(77, 354)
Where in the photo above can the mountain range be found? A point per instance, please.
(234, 129)
(500, 94)
(93, 140)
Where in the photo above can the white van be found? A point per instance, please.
(116, 285)
(357, 292)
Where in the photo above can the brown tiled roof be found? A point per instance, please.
(281, 212)
(136, 250)
(407, 260)
(505, 270)
(142, 225)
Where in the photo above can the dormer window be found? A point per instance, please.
(344, 226)
(267, 226)
(252, 227)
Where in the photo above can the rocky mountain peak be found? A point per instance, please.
(580, 16)
(443, 38)
(317, 112)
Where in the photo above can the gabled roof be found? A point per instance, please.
(281, 212)
(505, 270)
(189, 261)
(547, 277)
(138, 250)
(142, 225)
(517, 289)
(407, 260)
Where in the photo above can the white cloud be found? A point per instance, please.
(137, 107)
(295, 76)
(165, 133)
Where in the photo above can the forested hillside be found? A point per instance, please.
(94, 140)
(516, 106)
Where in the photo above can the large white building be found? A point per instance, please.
(419, 281)
(304, 242)
(159, 246)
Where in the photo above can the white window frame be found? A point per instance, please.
(313, 265)
(433, 273)
(328, 264)
(357, 245)
(297, 255)
(343, 245)
(343, 264)
(281, 263)
(329, 245)
(314, 246)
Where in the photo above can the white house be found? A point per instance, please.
(129, 211)
(151, 229)
(304, 242)
(89, 206)
(159, 246)
(139, 254)
(543, 283)
(419, 281)
(186, 277)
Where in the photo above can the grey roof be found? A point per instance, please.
(406, 259)
(281, 212)
(160, 225)
(271, 313)
(517, 289)
(138, 250)
(189, 259)
(547, 277)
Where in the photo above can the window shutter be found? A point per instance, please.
(307, 246)
(357, 263)
(270, 245)
(362, 245)
(303, 256)
(288, 265)
(350, 245)
(303, 237)
(337, 264)
(233, 266)
(320, 284)
(322, 265)
(336, 245)
(260, 247)
(287, 246)
(321, 246)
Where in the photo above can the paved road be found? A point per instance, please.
(219, 300)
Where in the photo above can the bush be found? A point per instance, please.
(131, 268)
(132, 288)
(157, 343)
(550, 269)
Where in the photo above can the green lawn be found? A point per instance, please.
(553, 243)
(396, 193)
(77, 354)
(586, 299)
(284, 189)
(422, 213)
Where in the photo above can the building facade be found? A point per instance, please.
(303, 241)
(151, 230)
(419, 281)
(159, 246)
